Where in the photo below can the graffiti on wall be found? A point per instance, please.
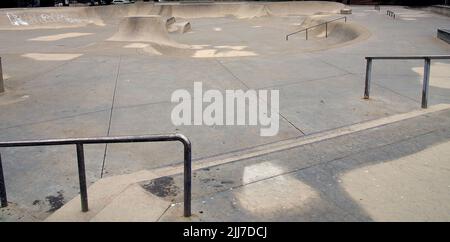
(44, 18)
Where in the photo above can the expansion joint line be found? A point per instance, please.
(111, 114)
(243, 83)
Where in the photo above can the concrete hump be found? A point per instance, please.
(338, 31)
(170, 21)
(143, 28)
(181, 27)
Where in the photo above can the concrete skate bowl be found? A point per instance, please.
(220, 44)
(200, 30)
(145, 28)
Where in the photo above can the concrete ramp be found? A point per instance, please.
(40, 18)
(338, 31)
(180, 27)
(216, 10)
(247, 10)
(144, 28)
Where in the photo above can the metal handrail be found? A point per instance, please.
(79, 142)
(326, 28)
(426, 72)
(390, 13)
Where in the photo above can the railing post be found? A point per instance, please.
(306, 34)
(368, 78)
(187, 178)
(82, 177)
(3, 198)
(2, 87)
(426, 82)
(326, 30)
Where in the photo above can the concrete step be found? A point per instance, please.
(100, 194)
(134, 204)
(157, 194)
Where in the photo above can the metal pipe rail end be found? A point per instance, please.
(80, 142)
(426, 72)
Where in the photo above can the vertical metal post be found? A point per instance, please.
(368, 78)
(187, 179)
(326, 30)
(426, 82)
(82, 177)
(306, 34)
(3, 198)
(2, 87)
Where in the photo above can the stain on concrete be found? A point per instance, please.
(55, 202)
(37, 202)
(162, 187)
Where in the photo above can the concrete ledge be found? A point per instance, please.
(346, 11)
(133, 205)
(441, 9)
(444, 34)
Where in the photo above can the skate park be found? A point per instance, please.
(107, 71)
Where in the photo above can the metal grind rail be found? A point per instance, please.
(326, 28)
(426, 72)
(390, 13)
(80, 142)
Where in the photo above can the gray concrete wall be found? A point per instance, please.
(441, 9)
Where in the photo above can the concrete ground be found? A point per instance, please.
(398, 172)
(97, 88)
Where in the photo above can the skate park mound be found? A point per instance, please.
(144, 28)
(339, 31)
(180, 27)
(221, 43)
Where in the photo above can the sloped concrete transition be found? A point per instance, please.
(152, 23)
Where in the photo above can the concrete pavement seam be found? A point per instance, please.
(111, 114)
